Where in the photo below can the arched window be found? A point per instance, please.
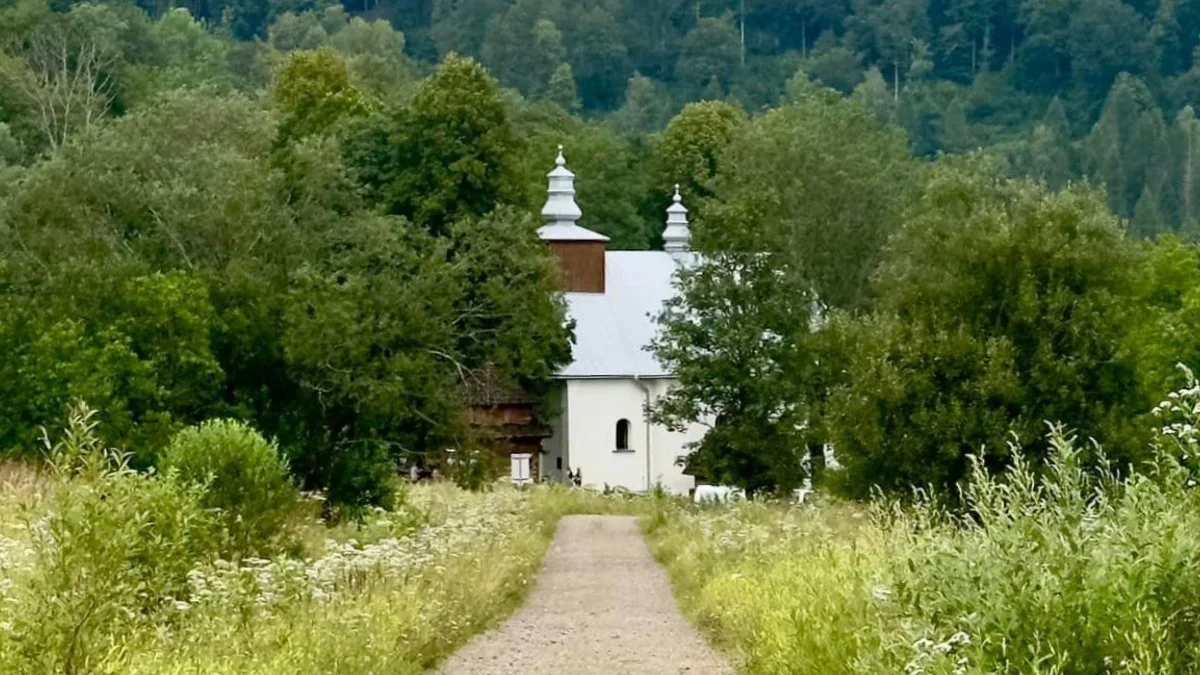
(622, 435)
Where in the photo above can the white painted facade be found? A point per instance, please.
(601, 428)
(585, 437)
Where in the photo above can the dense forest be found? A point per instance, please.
(1060, 89)
(318, 219)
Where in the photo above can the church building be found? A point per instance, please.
(613, 298)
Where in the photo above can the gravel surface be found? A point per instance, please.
(602, 605)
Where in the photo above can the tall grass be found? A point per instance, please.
(1058, 570)
(107, 570)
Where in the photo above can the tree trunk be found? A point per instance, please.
(896, 78)
(1188, 175)
(742, 16)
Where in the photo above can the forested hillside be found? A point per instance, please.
(1060, 89)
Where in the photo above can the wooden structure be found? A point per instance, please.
(505, 416)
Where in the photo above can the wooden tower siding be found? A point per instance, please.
(580, 265)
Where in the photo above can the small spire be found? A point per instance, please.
(677, 237)
(560, 208)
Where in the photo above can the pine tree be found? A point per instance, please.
(562, 90)
(1164, 34)
(1148, 219)
(874, 95)
(1187, 143)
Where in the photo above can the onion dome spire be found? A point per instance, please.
(560, 208)
(677, 237)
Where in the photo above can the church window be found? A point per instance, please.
(622, 434)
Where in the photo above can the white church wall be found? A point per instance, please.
(588, 425)
(594, 409)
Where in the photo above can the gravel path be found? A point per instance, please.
(602, 605)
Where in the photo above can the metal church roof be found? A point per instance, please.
(613, 329)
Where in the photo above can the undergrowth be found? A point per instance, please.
(104, 569)
(1057, 569)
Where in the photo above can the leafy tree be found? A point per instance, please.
(458, 25)
(834, 64)
(187, 56)
(377, 56)
(1001, 306)
(183, 187)
(511, 317)
(142, 353)
(1148, 218)
(522, 50)
(291, 32)
(314, 93)
(710, 52)
(1106, 38)
(451, 153)
(804, 199)
(390, 382)
(599, 57)
(689, 150)
(889, 28)
(1187, 142)
(1167, 317)
(1119, 151)
(644, 108)
(873, 94)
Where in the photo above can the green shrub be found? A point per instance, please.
(112, 555)
(243, 475)
(359, 477)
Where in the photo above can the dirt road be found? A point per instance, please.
(601, 605)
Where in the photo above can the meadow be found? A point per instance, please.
(108, 570)
(1059, 569)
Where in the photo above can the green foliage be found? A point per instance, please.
(804, 198)
(241, 475)
(391, 379)
(1001, 307)
(510, 294)
(689, 149)
(314, 93)
(143, 351)
(1167, 306)
(450, 154)
(113, 554)
(1060, 569)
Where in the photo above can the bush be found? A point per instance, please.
(361, 477)
(243, 475)
(113, 554)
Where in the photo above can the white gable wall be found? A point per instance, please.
(585, 435)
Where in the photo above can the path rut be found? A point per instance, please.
(601, 605)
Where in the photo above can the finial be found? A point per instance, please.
(678, 198)
(560, 161)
